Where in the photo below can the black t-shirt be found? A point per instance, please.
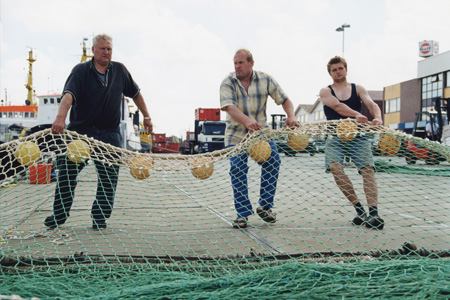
(354, 102)
(97, 103)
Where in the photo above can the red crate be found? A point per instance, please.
(40, 174)
(172, 147)
(159, 137)
(207, 114)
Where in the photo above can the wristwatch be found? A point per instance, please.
(147, 118)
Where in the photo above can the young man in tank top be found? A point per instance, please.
(343, 100)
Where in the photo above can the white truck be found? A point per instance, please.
(209, 131)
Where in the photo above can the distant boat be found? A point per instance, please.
(19, 116)
(14, 118)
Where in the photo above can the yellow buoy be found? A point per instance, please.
(298, 141)
(260, 151)
(27, 153)
(347, 130)
(202, 168)
(389, 144)
(140, 167)
(78, 151)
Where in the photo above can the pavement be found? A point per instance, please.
(173, 214)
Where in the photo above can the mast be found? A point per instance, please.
(29, 85)
(85, 56)
(4, 101)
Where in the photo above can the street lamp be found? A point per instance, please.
(342, 28)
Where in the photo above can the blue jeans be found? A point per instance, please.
(108, 176)
(269, 177)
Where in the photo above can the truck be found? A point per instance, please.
(209, 131)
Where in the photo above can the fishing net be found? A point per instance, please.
(170, 233)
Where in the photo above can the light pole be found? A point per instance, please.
(342, 28)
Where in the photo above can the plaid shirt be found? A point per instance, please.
(253, 104)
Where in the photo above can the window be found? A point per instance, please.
(448, 79)
(392, 105)
(432, 87)
(319, 115)
(45, 100)
(302, 119)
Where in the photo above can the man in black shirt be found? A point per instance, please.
(344, 100)
(94, 90)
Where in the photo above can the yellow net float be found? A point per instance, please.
(27, 153)
(140, 167)
(78, 151)
(347, 130)
(202, 168)
(389, 144)
(260, 151)
(297, 141)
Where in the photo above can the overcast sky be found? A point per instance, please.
(179, 51)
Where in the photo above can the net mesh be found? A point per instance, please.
(170, 233)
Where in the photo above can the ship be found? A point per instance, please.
(14, 118)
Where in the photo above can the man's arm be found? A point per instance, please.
(375, 111)
(288, 108)
(332, 102)
(140, 103)
(240, 117)
(59, 124)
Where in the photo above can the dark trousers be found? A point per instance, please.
(107, 174)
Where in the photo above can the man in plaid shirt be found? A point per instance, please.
(243, 95)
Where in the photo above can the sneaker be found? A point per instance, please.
(51, 222)
(266, 214)
(375, 222)
(359, 219)
(240, 222)
(99, 225)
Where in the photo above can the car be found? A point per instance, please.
(416, 152)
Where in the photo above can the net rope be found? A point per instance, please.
(170, 234)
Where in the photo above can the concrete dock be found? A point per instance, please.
(172, 213)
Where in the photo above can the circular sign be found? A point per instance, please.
(425, 48)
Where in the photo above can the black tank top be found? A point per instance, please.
(354, 102)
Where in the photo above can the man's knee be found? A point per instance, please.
(336, 167)
(367, 171)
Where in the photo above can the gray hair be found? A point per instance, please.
(102, 36)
